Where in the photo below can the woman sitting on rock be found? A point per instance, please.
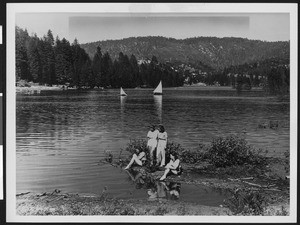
(139, 158)
(173, 166)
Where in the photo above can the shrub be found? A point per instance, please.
(232, 150)
(134, 144)
(246, 202)
(172, 147)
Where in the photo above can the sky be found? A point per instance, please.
(91, 27)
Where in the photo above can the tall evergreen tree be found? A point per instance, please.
(63, 61)
(81, 64)
(107, 70)
(136, 81)
(34, 58)
(22, 67)
(96, 67)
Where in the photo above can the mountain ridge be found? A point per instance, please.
(209, 52)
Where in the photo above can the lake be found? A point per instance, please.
(63, 135)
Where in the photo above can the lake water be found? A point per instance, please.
(62, 135)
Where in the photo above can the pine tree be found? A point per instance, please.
(81, 63)
(63, 61)
(34, 58)
(107, 70)
(22, 66)
(96, 67)
(136, 81)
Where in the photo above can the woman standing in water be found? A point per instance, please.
(152, 141)
(161, 146)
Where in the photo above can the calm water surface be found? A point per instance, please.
(62, 135)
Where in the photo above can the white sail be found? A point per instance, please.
(122, 92)
(158, 89)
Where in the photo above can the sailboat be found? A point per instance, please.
(122, 92)
(158, 89)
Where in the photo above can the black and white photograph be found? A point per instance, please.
(151, 112)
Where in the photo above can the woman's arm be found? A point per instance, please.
(141, 155)
(174, 165)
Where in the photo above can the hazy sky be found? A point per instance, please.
(93, 27)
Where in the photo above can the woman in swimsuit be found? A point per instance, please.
(139, 158)
(173, 166)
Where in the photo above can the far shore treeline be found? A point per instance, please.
(50, 61)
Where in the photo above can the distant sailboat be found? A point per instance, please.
(122, 92)
(158, 89)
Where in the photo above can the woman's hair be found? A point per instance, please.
(162, 129)
(175, 154)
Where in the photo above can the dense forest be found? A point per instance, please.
(50, 61)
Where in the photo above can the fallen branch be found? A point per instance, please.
(247, 178)
(242, 178)
(272, 189)
(22, 194)
(257, 185)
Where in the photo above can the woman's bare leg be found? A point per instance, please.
(158, 155)
(133, 159)
(165, 174)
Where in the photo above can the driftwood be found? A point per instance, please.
(22, 194)
(264, 187)
(239, 179)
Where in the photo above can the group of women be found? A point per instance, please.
(157, 139)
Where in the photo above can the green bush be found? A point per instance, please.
(246, 202)
(232, 150)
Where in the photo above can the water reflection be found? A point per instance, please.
(158, 106)
(141, 180)
(123, 101)
(164, 190)
(156, 190)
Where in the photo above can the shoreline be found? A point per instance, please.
(58, 203)
(92, 205)
(37, 88)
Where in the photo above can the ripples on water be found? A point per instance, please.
(62, 135)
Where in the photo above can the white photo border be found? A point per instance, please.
(14, 8)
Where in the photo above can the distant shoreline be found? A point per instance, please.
(37, 88)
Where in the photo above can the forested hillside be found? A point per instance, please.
(48, 61)
(144, 61)
(201, 52)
